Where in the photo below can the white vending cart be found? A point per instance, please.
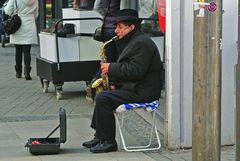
(74, 57)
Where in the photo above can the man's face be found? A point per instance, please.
(122, 29)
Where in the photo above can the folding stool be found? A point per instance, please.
(149, 107)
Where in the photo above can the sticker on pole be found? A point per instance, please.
(212, 7)
(201, 5)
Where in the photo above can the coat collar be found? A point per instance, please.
(121, 43)
(125, 41)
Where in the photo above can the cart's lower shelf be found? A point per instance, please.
(58, 73)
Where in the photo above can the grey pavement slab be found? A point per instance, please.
(16, 135)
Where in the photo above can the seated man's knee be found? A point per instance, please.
(101, 97)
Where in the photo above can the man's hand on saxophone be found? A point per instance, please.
(104, 68)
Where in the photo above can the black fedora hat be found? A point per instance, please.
(127, 15)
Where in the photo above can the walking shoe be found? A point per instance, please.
(18, 69)
(28, 77)
(91, 143)
(27, 70)
(105, 146)
(18, 75)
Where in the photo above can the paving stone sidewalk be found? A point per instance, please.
(25, 111)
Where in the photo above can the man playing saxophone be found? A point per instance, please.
(103, 82)
(136, 77)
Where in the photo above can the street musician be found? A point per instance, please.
(136, 77)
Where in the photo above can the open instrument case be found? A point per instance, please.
(47, 145)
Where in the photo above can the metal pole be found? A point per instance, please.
(238, 92)
(206, 115)
(41, 18)
(58, 4)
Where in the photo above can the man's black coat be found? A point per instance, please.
(138, 67)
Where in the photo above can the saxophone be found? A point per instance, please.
(103, 82)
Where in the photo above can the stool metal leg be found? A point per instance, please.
(144, 147)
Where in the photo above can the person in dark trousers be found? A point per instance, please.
(2, 3)
(26, 35)
(135, 78)
(108, 9)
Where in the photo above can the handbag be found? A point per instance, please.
(68, 28)
(98, 34)
(13, 23)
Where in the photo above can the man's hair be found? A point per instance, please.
(129, 23)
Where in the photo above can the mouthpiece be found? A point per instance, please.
(109, 41)
(115, 38)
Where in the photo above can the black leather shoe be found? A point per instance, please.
(104, 147)
(91, 143)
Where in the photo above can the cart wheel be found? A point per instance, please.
(59, 95)
(45, 86)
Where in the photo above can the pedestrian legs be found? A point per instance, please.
(20, 50)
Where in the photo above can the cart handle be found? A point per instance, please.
(56, 30)
(74, 19)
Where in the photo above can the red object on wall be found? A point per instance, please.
(161, 6)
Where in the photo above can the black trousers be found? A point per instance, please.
(20, 50)
(103, 120)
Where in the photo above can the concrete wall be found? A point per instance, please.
(229, 59)
(173, 72)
